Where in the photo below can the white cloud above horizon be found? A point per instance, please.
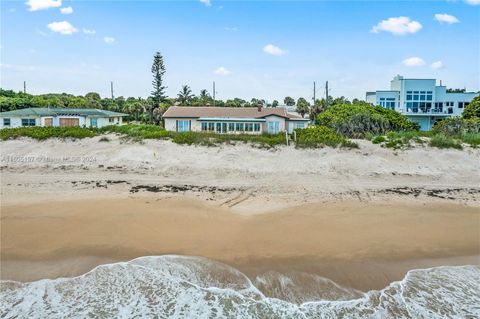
(446, 18)
(108, 40)
(413, 61)
(436, 65)
(273, 50)
(89, 31)
(35, 5)
(62, 27)
(206, 2)
(397, 26)
(222, 71)
(66, 10)
(473, 2)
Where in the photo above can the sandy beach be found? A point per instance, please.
(361, 218)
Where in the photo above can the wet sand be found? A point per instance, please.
(360, 245)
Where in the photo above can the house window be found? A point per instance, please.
(231, 127)
(249, 127)
(273, 127)
(28, 122)
(460, 105)
(6, 122)
(110, 120)
(300, 125)
(256, 127)
(239, 127)
(183, 125)
(204, 126)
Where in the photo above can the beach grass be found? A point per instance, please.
(42, 133)
(312, 137)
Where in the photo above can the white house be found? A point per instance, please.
(232, 120)
(421, 100)
(59, 117)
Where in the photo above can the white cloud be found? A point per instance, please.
(414, 61)
(473, 2)
(62, 27)
(397, 26)
(222, 71)
(66, 10)
(436, 65)
(35, 5)
(206, 2)
(88, 31)
(109, 40)
(446, 18)
(273, 50)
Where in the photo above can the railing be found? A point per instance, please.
(431, 111)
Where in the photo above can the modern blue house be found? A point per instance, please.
(421, 100)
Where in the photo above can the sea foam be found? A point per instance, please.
(195, 287)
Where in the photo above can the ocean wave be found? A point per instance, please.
(196, 287)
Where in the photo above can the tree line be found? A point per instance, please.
(151, 109)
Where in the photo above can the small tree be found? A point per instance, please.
(274, 103)
(472, 110)
(303, 107)
(158, 92)
(289, 101)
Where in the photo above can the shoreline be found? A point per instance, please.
(361, 245)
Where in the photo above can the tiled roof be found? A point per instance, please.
(43, 111)
(226, 112)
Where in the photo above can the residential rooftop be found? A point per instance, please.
(43, 111)
(226, 112)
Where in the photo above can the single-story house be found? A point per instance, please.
(59, 117)
(232, 120)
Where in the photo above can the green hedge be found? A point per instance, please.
(358, 120)
(42, 133)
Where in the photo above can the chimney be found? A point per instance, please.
(259, 107)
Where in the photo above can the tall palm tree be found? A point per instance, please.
(185, 95)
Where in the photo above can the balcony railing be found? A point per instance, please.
(427, 112)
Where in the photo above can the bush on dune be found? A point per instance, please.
(359, 119)
(42, 133)
(457, 126)
(320, 136)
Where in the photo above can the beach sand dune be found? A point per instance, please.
(361, 217)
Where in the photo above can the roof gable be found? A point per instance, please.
(43, 111)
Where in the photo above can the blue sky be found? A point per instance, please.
(261, 49)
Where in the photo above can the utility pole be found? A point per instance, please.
(326, 94)
(314, 91)
(213, 93)
(111, 89)
(25, 87)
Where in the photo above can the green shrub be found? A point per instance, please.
(320, 136)
(472, 110)
(378, 139)
(443, 141)
(455, 126)
(472, 139)
(42, 133)
(359, 120)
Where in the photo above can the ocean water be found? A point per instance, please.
(195, 287)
